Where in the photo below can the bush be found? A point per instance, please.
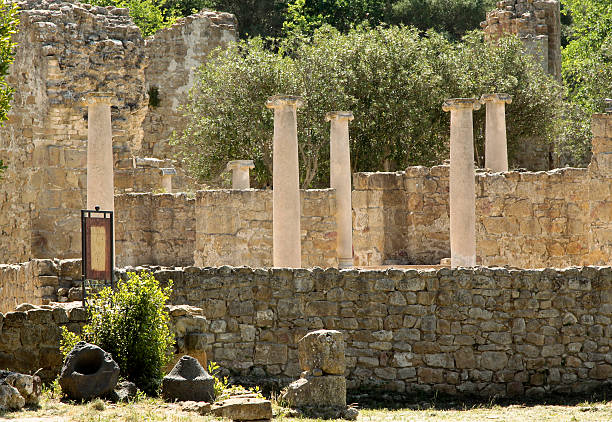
(132, 325)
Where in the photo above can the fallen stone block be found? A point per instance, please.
(243, 409)
(329, 390)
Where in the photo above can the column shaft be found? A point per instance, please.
(496, 148)
(240, 179)
(462, 184)
(100, 182)
(286, 208)
(340, 180)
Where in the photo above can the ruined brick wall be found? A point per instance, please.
(488, 332)
(523, 219)
(234, 227)
(155, 229)
(65, 51)
(175, 54)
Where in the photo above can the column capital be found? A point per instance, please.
(98, 98)
(238, 164)
(277, 101)
(457, 103)
(339, 115)
(496, 98)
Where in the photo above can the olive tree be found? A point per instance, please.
(393, 79)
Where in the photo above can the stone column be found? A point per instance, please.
(496, 146)
(340, 180)
(286, 234)
(462, 184)
(240, 173)
(166, 181)
(100, 182)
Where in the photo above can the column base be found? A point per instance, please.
(345, 263)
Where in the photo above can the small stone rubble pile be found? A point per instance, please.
(18, 390)
(321, 389)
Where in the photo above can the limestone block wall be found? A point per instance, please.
(65, 51)
(154, 229)
(35, 281)
(523, 219)
(30, 337)
(234, 227)
(487, 331)
(175, 54)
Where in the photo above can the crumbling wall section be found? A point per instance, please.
(65, 51)
(174, 55)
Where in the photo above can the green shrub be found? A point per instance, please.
(132, 325)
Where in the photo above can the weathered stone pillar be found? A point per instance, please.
(100, 182)
(496, 145)
(340, 180)
(286, 235)
(167, 174)
(240, 173)
(462, 185)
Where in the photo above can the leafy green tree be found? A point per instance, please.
(393, 79)
(8, 27)
(451, 17)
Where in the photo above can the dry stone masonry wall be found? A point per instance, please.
(487, 331)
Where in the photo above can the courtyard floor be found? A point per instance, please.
(52, 410)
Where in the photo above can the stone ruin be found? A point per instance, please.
(68, 50)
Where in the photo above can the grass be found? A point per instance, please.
(51, 409)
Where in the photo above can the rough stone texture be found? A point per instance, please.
(154, 229)
(30, 340)
(323, 391)
(175, 54)
(123, 392)
(324, 350)
(10, 399)
(235, 228)
(34, 282)
(243, 409)
(66, 50)
(538, 25)
(72, 49)
(28, 386)
(188, 381)
(523, 219)
(88, 372)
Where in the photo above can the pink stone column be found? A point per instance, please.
(462, 184)
(240, 173)
(496, 145)
(100, 182)
(340, 180)
(286, 206)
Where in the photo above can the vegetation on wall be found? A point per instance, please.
(393, 79)
(8, 27)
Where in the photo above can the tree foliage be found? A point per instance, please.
(149, 15)
(8, 27)
(393, 79)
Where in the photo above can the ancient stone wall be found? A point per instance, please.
(175, 55)
(483, 331)
(65, 51)
(234, 227)
(155, 228)
(30, 337)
